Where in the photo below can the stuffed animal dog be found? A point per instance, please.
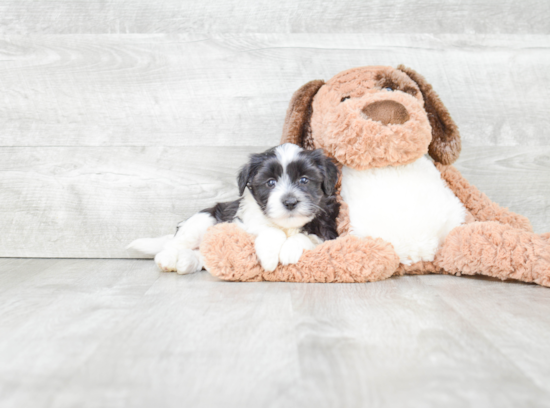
(401, 212)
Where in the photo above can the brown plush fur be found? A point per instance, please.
(478, 204)
(229, 254)
(296, 128)
(445, 146)
(343, 222)
(493, 241)
(497, 250)
(343, 131)
(386, 112)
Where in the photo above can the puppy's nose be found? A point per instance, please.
(387, 112)
(290, 203)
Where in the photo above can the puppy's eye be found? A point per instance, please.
(344, 98)
(271, 183)
(304, 180)
(388, 89)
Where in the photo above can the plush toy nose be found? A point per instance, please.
(290, 203)
(387, 112)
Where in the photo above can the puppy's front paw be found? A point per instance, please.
(269, 261)
(268, 244)
(292, 249)
(167, 260)
(188, 262)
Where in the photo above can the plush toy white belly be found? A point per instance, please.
(409, 206)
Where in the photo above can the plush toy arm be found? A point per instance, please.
(228, 253)
(479, 205)
(342, 221)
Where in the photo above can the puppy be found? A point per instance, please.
(286, 200)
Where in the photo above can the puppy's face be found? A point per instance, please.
(289, 183)
(371, 117)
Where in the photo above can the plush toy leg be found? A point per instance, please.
(228, 253)
(498, 250)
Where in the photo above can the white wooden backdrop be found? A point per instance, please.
(118, 119)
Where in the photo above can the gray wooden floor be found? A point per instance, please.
(118, 333)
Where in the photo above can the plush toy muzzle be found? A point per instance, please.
(377, 128)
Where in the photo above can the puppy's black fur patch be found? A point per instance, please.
(223, 212)
(324, 225)
(249, 170)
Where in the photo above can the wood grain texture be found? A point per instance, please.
(90, 202)
(233, 90)
(264, 16)
(118, 333)
(103, 198)
(402, 344)
(517, 178)
(523, 318)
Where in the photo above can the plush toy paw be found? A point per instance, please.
(268, 245)
(293, 247)
(167, 260)
(230, 253)
(188, 262)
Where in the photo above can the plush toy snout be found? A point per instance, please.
(386, 112)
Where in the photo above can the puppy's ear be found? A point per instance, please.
(297, 127)
(445, 146)
(328, 169)
(249, 170)
(331, 176)
(242, 178)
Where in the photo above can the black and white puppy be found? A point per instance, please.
(286, 200)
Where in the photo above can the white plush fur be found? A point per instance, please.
(409, 206)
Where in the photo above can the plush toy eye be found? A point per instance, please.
(344, 98)
(304, 180)
(271, 183)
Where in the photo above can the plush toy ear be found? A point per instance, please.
(297, 129)
(445, 146)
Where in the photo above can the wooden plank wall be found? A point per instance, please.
(119, 119)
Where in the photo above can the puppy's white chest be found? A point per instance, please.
(409, 206)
